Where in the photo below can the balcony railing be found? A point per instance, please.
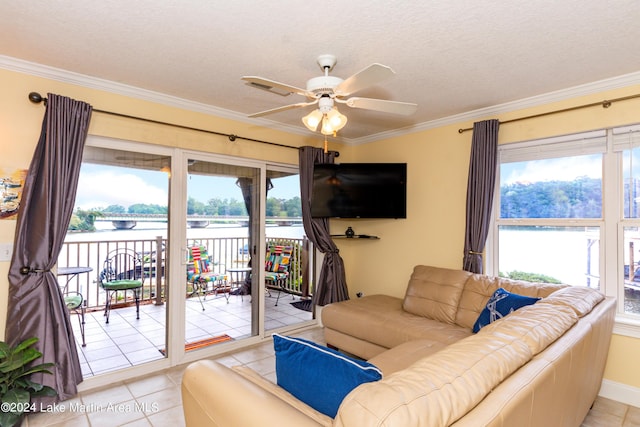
(224, 253)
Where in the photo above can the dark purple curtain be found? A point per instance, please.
(36, 306)
(246, 186)
(332, 284)
(480, 188)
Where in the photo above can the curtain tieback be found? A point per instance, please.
(474, 253)
(28, 270)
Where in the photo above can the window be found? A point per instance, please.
(557, 200)
(626, 145)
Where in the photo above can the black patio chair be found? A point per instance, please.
(122, 272)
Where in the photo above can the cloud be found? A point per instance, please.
(101, 188)
(558, 169)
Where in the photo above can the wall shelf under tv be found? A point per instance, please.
(357, 236)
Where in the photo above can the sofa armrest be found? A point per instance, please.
(214, 395)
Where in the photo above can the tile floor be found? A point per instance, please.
(126, 341)
(155, 400)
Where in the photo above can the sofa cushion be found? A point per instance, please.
(404, 355)
(281, 393)
(479, 288)
(435, 292)
(317, 375)
(380, 319)
(580, 299)
(536, 325)
(438, 389)
(501, 304)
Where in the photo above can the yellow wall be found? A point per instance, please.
(623, 361)
(437, 164)
(437, 177)
(20, 122)
(433, 232)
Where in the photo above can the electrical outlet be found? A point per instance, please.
(6, 250)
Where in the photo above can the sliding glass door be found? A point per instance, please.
(288, 297)
(217, 244)
(222, 230)
(115, 254)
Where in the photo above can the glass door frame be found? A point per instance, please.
(176, 254)
(157, 365)
(178, 233)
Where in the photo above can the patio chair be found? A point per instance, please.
(73, 300)
(75, 303)
(122, 272)
(277, 264)
(200, 275)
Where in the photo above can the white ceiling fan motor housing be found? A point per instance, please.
(323, 85)
(325, 104)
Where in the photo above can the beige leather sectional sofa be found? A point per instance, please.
(541, 365)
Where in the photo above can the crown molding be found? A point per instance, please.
(38, 70)
(65, 76)
(534, 101)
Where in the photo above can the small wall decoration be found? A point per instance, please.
(11, 185)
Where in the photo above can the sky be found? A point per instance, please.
(100, 186)
(558, 169)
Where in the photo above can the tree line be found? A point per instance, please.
(580, 198)
(84, 220)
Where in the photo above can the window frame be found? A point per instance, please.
(611, 224)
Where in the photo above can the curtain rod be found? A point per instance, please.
(36, 98)
(605, 104)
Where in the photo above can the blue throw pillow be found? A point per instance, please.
(499, 305)
(319, 376)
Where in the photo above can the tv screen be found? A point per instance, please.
(359, 190)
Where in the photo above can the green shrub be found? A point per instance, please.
(529, 277)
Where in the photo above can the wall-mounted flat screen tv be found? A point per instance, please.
(359, 190)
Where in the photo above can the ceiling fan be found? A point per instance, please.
(327, 90)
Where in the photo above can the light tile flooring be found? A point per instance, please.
(155, 400)
(126, 341)
(609, 413)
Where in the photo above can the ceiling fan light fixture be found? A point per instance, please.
(312, 120)
(336, 119)
(326, 90)
(332, 122)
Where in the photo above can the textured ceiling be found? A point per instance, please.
(450, 57)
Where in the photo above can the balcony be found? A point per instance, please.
(126, 341)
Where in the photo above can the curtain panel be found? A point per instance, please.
(332, 283)
(36, 306)
(480, 188)
(246, 186)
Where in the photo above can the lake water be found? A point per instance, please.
(560, 253)
(150, 230)
(566, 254)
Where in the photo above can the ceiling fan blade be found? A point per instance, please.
(394, 107)
(283, 108)
(373, 74)
(274, 86)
